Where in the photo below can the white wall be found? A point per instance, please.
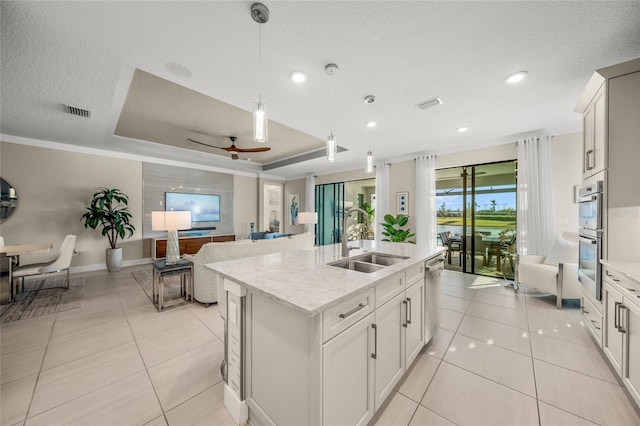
(245, 205)
(293, 187)
(567, 173)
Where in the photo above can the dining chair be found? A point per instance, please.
(61, 263)
(451, 246)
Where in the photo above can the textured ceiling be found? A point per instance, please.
(85, 54)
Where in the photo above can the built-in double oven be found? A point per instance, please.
(590, 231)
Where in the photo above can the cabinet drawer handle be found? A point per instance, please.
(410, 313)
(406, 313)
(594, 325)
(620, 329)
(374, 355)
(616, 315)
(353, 311)
(631, 289)
(584, 311)
(590, 165)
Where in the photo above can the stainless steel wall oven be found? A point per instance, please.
(590, 231)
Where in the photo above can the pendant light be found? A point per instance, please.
(260, 14)
(331, 69)
(370, 99)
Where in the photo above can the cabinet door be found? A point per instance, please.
(414, 333)
(588, 149)
(612, 337)
(389, 321)
(347, 385)
(631, 376)
(599, 131)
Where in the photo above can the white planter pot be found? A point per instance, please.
(114, 259)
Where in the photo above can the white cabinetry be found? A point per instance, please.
(388, 352)
(612, 339)
(594, 135)
(347, 388)
(622, 337)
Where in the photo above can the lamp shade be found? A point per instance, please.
(307, 218)
(171, 220)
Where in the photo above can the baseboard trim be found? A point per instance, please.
(103, 266)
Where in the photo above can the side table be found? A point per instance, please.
(161, 270)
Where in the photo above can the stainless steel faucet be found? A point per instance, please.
(345, 248)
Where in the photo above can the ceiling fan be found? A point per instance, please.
(233, 149)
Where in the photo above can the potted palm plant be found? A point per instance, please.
(109, 209)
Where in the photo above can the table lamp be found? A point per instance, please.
(171, 221)
(306, 219)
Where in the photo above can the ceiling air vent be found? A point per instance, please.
(77, 111)
(430, 103)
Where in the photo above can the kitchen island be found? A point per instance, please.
(310, 341)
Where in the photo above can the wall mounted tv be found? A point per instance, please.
(203, 207)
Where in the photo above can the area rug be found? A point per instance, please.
(43, 296)
(171, 289)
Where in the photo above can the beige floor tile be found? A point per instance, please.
(184, 376)
(552, 416)
(560, 328)
(168, 343)
(573, 356)
(418, 377)
(74, 379)
(502, 299)
(437, 346)
(465, 398)
(461, 292)
(206, 408)
(596, 400)
(81, 344)
(494, 333)
(398, 411)
(424, 416)
(153, 322)
(130, 401)
(21, 364)
(25, 334)
(210, 317)
(158, 421)
(450, 320)
(14, 400)
(503, 366)
(498, 314)
(456, 304)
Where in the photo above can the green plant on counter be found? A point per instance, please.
(109, 209)
(393, 229)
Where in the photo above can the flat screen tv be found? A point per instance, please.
(203, 207)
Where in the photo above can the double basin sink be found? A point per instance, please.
(368, 262)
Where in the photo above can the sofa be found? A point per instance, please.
(205, 281)
(556, 273)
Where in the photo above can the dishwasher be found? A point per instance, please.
(433, 295)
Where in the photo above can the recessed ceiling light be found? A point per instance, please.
(463, 129)
(371, 123)
(299, 77)
(516, 77)
(178, 70)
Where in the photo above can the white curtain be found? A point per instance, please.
(310, 194)
(382, 197)
(535, 196)
(425, 199)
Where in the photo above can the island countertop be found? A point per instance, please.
(302, 280)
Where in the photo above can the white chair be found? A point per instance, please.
(556, 273)
(61, 263)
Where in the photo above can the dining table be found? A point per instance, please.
(14, 252)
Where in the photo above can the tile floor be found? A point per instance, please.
(498, 358)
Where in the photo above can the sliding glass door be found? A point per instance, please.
(333, 200)
(476, 213)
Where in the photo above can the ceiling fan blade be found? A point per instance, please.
(253, 149)
(206, 144)
(234, 156)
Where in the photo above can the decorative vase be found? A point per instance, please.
(114, 259)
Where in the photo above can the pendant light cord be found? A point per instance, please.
(259, 62)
